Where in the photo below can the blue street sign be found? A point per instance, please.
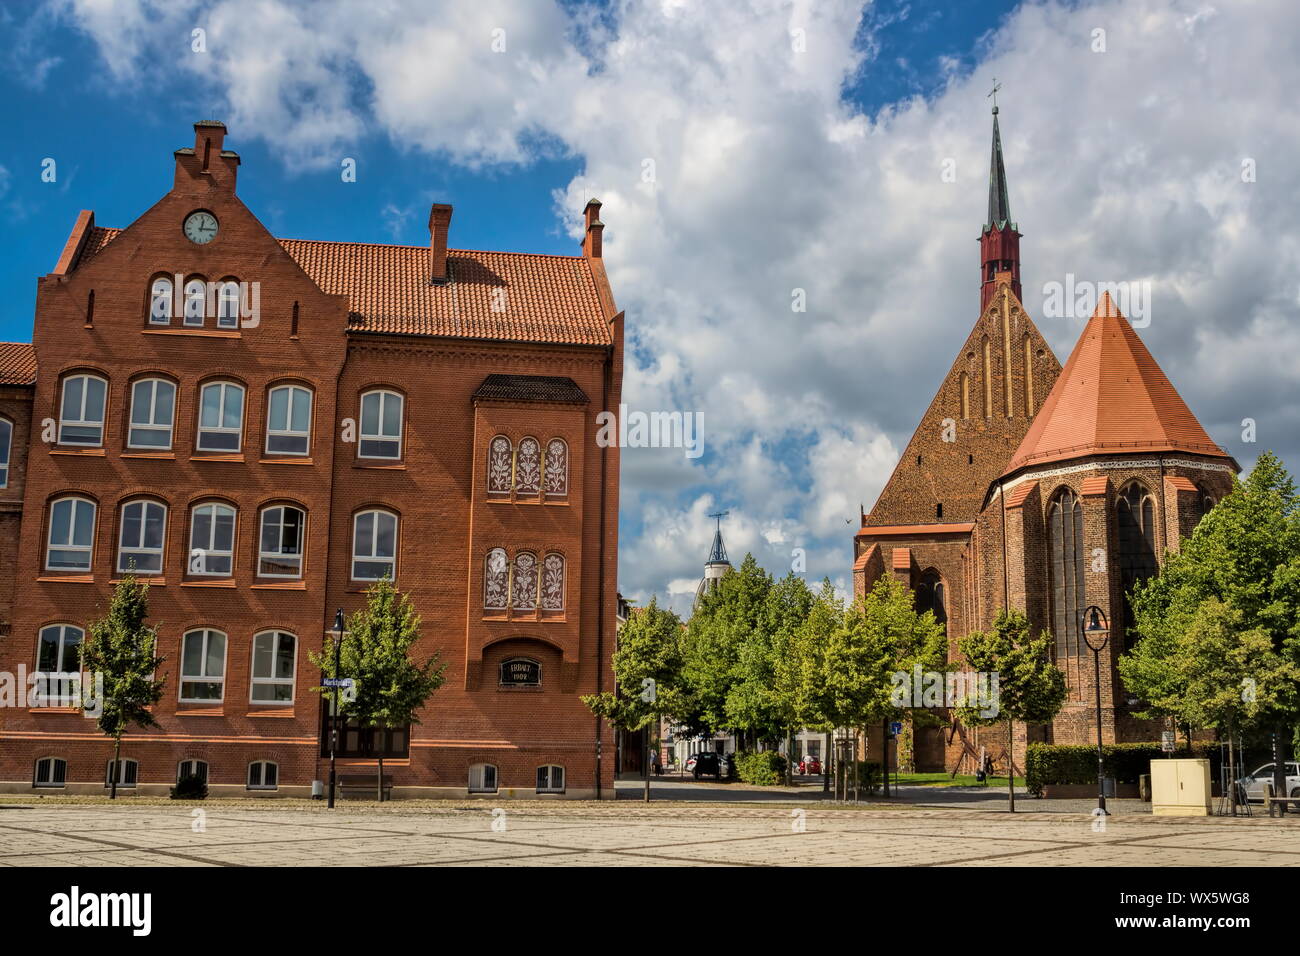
(336, 681)
(896, 728)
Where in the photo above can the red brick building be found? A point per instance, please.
(1041, 488)
(262, 427)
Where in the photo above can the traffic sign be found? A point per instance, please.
(336, 681)
(896, 728)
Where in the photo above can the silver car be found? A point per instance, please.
(1261, 781)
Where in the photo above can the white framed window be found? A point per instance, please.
(72, 535)
(160, 301)
(284, 530)
(381, 425)
(275, 661)
(6, 449)
(196, 302)
(153, 409)
(221, 417)
(192, 768)
(228, 305)
(288, 420)
(550, 779)
(140, 542)
(263, 775)
(203, 667)
(58, 662)
(81, 414)
(50, 772)
(212, 540)
(127, 774)
(374, 546)
(482, 778)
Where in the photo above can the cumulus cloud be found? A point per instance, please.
(737, 176)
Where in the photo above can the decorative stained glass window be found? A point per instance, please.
(496, 580)
(500, 452)
(557, 468)
(553, 583)
(528, 467)
(524, 590)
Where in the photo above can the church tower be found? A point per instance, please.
(717, 565)
(999, 240)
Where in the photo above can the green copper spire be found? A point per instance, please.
(999, 201)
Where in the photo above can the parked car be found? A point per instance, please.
(708, 763)
(810, 765)
(1261, 781)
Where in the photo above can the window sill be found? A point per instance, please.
(214, 583)
(154, 580)
(285, 586)
(150, 456)
(68, 578)
(53, 710)
(304, 460)
(380, 466)
(526, 617)
(239, 458)
(195, 331)
(286, 711)
(83, 452)
(193, 710)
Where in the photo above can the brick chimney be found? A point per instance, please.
(591, 237)
(439, 224)
(207, 159)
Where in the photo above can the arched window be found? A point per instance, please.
(496, 580)
(6, 443)
(160, 301)
(528, 468)
(153, 408)
(1065, 569)
(203, 667)
(374, 546)
(58, 661)
(140, 540)
(988, 379)
(197, 769)
(128, 772)
(499, 465)
(553, 582)
(196, 302)
(228, 305)
(1029, 376)
(275, 661)
(263, 775)
(557, 468)
(81, 414)
(523, 595)
(381, 425)
(212, 540)
(283, 536)
(1136, 515)
(221, 417)
(482, 778)
(72, 535)
(550, 779)
(288, 420)
(50, 772)
(964, 381)
(930, 596)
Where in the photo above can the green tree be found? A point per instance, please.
(649, 649)
(798, 675)
(389, 686)
(120, 650)
(1219, 626)
(789, 603)
(1030, 687)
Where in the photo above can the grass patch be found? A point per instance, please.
(944, 779)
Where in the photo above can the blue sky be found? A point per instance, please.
(795, 144)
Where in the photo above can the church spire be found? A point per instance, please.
(999, 239)
(717, 565)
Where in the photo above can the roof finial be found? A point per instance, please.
(994, 93)
(718, 553)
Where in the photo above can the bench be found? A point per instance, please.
(363, 785)
(1280, 802)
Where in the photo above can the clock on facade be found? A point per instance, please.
(200, 227)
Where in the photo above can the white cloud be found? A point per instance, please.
(1124, 164)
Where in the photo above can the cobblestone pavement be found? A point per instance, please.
(623, 834)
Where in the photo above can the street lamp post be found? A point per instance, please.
(334, 717)
(1097, 628)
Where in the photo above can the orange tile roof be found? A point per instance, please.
(17, 363)
(865, 557)
(1094, 485)
(1017, 495)
(506, 296)
(1111, 398)
(1180, 483)
(900, 559)
(886, 530)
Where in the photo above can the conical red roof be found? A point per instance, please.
(1111, 398)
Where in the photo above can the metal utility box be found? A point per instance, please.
(1180, 788)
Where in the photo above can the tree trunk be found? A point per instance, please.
(1279, 767)
(380, 781)
(826, 765)
(884, 753)
(116, 769)
(1232, 771)
(1011, 763)
(789, 757)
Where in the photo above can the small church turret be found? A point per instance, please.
(717, 565)
(999, 239)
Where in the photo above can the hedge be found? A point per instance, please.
(1058, 764)
(765, 768)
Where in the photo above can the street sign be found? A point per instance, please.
(336, 681)
(1167, 741)
(896, 728)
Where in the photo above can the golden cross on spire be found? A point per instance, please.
(994, 93)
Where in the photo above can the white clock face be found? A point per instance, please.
(200, 227)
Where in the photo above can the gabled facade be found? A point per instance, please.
(262, 427)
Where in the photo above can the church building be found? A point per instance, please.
(1045, 489)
